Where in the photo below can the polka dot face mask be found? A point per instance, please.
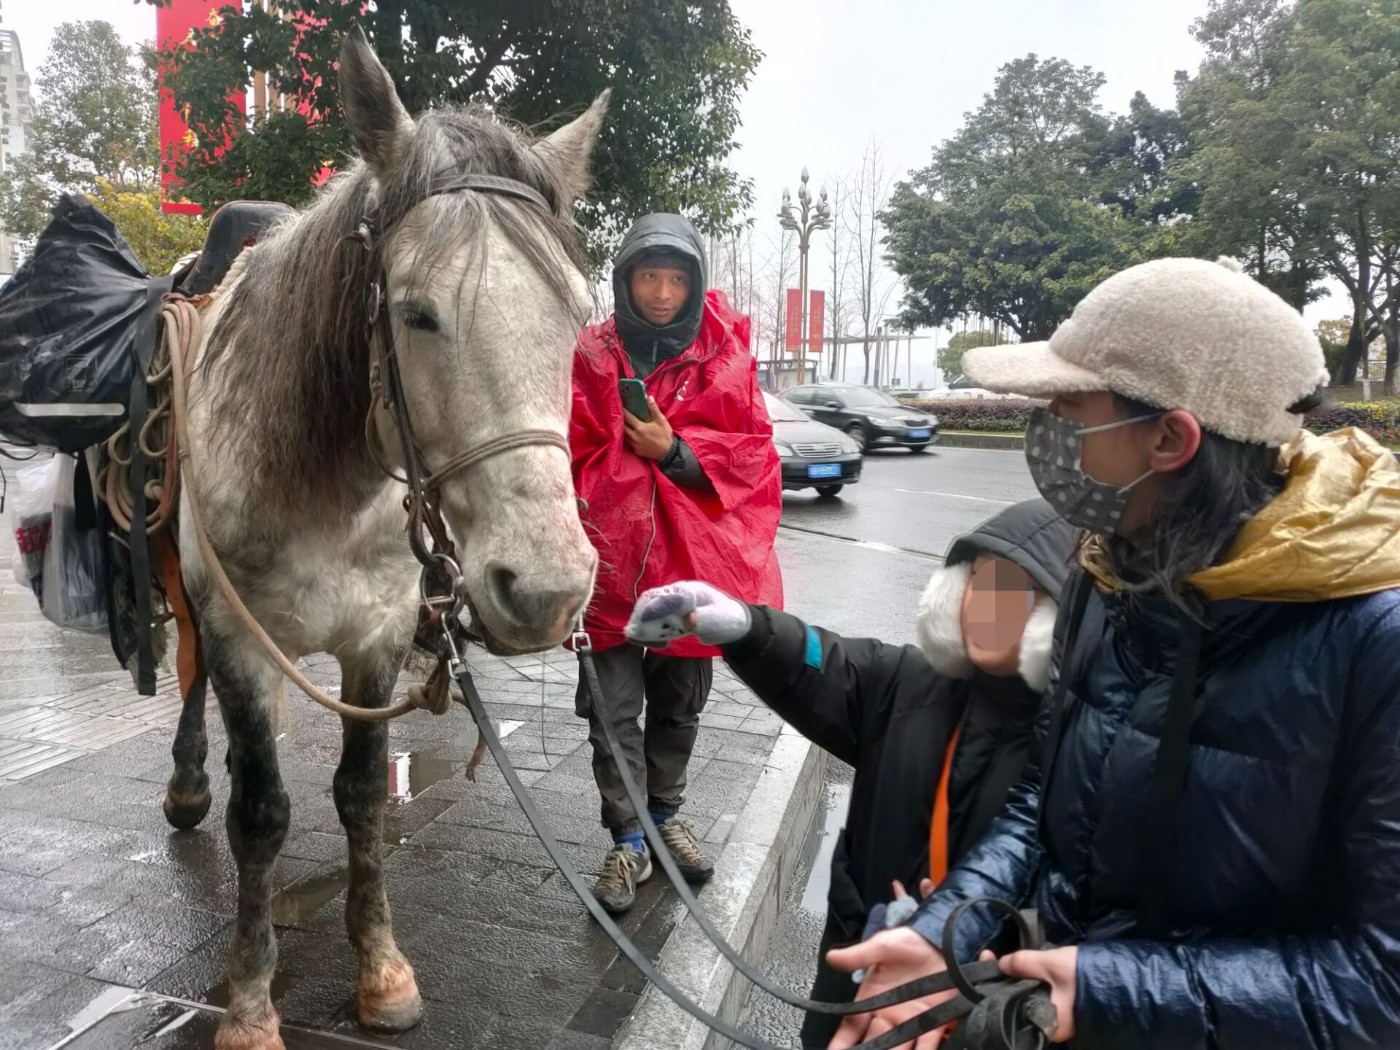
(1054, 453)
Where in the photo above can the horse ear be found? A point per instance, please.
(568, 149)
(377, 119)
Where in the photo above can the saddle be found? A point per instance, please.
(235, 226)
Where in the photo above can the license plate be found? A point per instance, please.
(916, 434)
(824, 470)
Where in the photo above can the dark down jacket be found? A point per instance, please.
(1282, 898)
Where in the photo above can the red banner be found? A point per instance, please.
(794, 320)
(816, 321)
(175, 26)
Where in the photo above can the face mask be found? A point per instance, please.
(1054, 453)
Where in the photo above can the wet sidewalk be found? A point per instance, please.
(114, 929)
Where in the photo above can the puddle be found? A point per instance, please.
(300, 901)
(110, 999)
(282, 983)
(836, 800)
(413, 772)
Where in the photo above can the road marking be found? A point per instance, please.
(883, 548)
(959, 495)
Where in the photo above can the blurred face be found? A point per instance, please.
(996, 605)
(659, 292)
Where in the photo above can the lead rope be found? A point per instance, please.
(181, 335)
(936, 1017)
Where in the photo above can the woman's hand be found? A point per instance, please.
(1057, 968)
(650, 440)
(891, 958)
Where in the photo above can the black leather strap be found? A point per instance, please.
(144, 348)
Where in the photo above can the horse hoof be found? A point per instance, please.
(242, 1035)
(185, 809)
(393, 1004)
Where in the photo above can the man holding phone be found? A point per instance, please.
(674, 461)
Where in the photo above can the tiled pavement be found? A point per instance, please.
(99, 897)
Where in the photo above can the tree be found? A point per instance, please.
(1008, 222)
(158, 240)
(676, 67)
(950, 357)
(869, 196)
(1299, 110)
(95, 122)
(838, 292)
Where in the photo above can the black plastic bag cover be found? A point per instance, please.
(68, 322)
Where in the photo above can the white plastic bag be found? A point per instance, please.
(73, 594)
(31, 512)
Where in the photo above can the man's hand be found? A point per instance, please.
(650, 440)
(664, 614)
(891, 958)
(1057, 968)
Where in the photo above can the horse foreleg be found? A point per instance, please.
(385, 991)
(259, 811)
(187, 793)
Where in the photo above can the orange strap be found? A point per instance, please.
(187, 644)
(938, 826)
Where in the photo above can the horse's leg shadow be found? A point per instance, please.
(187, 795)
(385, 992)
(259, 811)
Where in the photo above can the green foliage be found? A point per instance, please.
(676, 67)
(950, 356)
(95, 120)
(1008, 222)
(158, 240)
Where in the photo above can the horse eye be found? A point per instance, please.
(420, 320)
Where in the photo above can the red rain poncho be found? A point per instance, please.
(648, 529)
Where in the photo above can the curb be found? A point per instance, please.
(971, 439)
(752, 877)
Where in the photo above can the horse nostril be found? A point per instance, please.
(501, 583)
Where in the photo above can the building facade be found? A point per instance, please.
(16, 113)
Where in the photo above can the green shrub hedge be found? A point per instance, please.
(1381, 419)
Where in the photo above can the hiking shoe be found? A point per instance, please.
(679, 836)
(623, 869)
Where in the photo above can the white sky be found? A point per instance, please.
(838, 74)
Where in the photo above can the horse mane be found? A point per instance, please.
(293, 334)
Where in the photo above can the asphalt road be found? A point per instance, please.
(856, 564)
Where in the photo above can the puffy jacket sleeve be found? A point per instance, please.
(1002, 865)
(837, 692)
(1338, 991)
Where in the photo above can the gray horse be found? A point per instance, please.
(485, 294)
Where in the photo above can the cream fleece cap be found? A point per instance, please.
(1175, 333)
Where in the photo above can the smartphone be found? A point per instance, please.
(634, 398)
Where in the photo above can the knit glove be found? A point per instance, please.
(661, 614)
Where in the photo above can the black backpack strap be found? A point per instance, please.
(1163, 819)
(1074, 653)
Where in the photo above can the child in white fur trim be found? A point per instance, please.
(937, 734)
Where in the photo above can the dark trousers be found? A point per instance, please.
(673, 691)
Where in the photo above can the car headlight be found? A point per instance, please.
(933, 421)
(784, 449)
(848, 446)
(877, 420)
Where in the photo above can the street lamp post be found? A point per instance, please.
(807, 217)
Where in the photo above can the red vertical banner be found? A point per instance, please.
(816, 321)
(175, 28)
(793, 338)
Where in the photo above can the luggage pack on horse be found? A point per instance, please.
(404, 343)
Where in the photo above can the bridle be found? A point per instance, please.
(1006, 1015)
(387, 389)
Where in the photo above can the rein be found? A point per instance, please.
(995, 1013)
